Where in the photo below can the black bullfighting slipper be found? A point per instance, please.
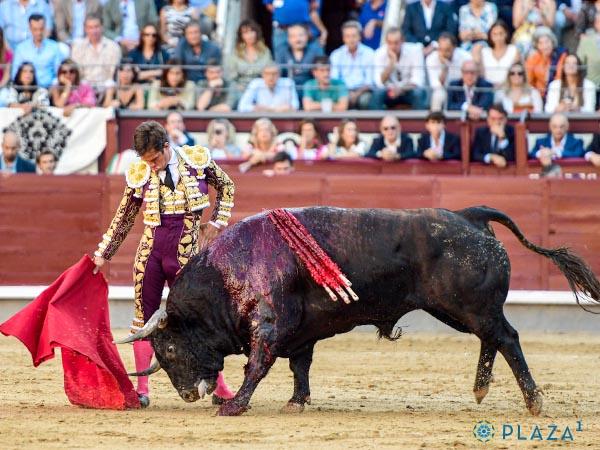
(216, 400)
(144, 400)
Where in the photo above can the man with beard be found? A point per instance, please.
(11, 162)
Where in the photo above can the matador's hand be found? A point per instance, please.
(99, 261)
(207, 234)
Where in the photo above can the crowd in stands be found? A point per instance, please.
(483, 58)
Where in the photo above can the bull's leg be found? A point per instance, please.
(483, 376)
(300, 366)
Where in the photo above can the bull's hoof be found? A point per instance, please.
(216, 400)
(230, 408)
(292, 408)
(481, 393)
(144, 400)
(535, 403)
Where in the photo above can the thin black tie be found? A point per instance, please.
(169, 179)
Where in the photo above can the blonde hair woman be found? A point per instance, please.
(262, 144)
(517, 94)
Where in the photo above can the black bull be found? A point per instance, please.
(249, 293)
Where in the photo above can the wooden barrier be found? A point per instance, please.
(50, 222)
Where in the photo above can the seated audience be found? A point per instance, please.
(175, 128)
(310, 145)
(589, 54)
(391, 144)
(221, 139)
(322, 93)
(556, 145)
(69, 18)
(149, 56)
(45, 162)
(437, 143)
(475, 19)
(271, 93)
(262, 144)
(572, 92)
(372, 15)
(546, 62)
(344, 142)
(15, 19)
(127, 93)
(444, 65)
(425, 21)
(42, 52)
(216, 92)
(97, 55)
(6, 57)
(529, 15)
(122, 20)
(495, 143)
(250, 57)
(471, 94)
(71, 92)
(352, 63)
(283, 164)
(517, 95)
(10, 161)
(24, 92)
(195, 51)
(174, 16)
(173, 90)
(399, 69)
(499, 55)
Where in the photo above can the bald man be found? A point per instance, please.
(10, 161)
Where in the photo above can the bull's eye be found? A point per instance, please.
(171, 351)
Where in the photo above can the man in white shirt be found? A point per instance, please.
(444, 65)
(399, 69)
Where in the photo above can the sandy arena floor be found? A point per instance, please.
(412, 394)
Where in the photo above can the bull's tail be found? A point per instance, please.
(580, 276)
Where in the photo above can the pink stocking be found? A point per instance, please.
(222, 389)
(142, 351)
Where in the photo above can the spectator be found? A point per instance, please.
(6, 56)
(471, 94)
(270, 93)
(45, 162)
(283, 164)
(15, 19)
(124, 20)
(371, 19)
(558, 144)
(474, 22)
(528, 16)
(10, 161)
(391, 144)
(444, 65)
(287, 13)
(221, 139)
(586, 18)
(517, 95)
(545, 64)
(262, 145)
(175, 128)
(310, 145)
(296, 56)
(43, 52)
(345, 142)
(572, 92)
(322, 93)
(173, 90)
(25, 93)
(195, 51)
(352, 63)
(589, 54)
(399, 69)
(250, 57)
(149, 56)
(71, 92)
(69, 18)
(174, 16)
(495, 143)
(127, 94)
(97, 56)
(438, 144)
(567, 12)
(216, 93)
(425, 21)
(592, 152)
(498, 56)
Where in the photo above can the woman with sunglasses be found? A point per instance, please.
(517, 95)
(71, 93)
(221, 139)
(174, 16)
(24, 93)
(127, 94)
(148, 56)
(174, 90)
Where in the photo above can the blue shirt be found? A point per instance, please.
(301, 71)
(355, 71)
(78, 19)
(257, 93)
(45, 59)
(185, 52)
(367, 14)
(290, 12)
(14, 19)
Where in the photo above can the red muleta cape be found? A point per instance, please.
(72, 314)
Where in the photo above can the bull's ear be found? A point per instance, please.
(158, 319)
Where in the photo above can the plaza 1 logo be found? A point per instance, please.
(484, 432)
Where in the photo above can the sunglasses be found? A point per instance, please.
(393, 127)
(149, 34)
(66, 71)
(516, 73)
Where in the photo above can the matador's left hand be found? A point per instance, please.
(207, 234)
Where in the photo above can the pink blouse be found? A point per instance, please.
(84, 95)
(9, 57)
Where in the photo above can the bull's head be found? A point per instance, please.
(192, 366)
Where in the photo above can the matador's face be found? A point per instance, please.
(158, 159)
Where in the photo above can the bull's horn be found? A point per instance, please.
(202, 388)
(158, 320)
(149, 371)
